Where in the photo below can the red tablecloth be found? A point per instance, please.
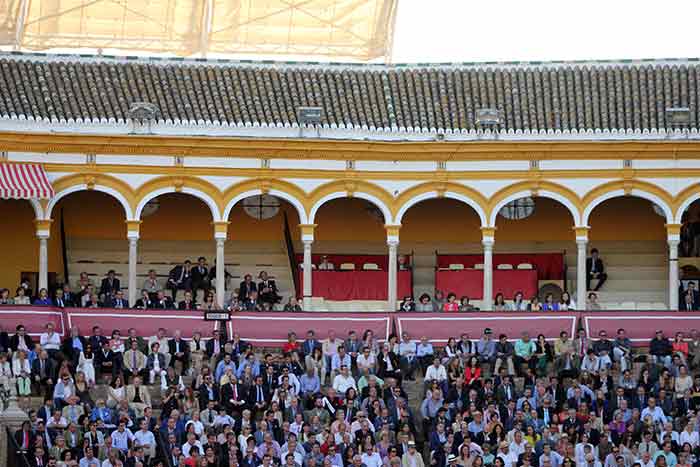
(548, 265)
(357, 285)
(470, 282)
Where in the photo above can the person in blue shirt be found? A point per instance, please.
(43, 298)
(310, 385)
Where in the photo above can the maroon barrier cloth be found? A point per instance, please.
(270, 329)
(358, 260)
(34, 319)
(146, 322)
(470, 282)
(439, 327)
(356, 285)
(640, 326)
(548, 265)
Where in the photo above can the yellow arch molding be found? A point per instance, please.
(352, 188)
(628, 186)
(569, 198)
(91, 180)
(683, 200)
(464, 193)
(280, 188)
(181, 183)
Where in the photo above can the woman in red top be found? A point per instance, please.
(472, 373)
(291, 345)
(451, 304)
(680, 346)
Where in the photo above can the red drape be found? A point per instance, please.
(357, 285)
(548, 265)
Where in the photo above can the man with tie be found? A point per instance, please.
(43, 370)
(180, 278)
(162, 302)
(310, 343)
(73, 411)
(134, 362)
(267, 289)
(179, 352)
(39, 459)
(214, 348)
(233, 397)
(59, 300)
(110, 285)
(595, 269)
(118, 301)
(24, 437)
(258, 396)
(188, 303)
(200, 277)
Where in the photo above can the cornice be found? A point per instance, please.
(138, 145)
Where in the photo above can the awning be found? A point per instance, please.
(24, 181)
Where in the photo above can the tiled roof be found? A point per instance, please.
(533, 97)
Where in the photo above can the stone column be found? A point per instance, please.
(307, 238)
(582, 251)
(11, 418)
(392, 239)
(487, 240)
(43, 232)
(132, 234)
(673, 235)
(220, 235)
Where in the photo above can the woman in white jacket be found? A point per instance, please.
(22, 372)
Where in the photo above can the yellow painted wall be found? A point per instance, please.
(627, 218)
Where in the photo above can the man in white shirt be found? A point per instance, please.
(344, 381)
(408, 355)
(436, 372)
(192, 441)
(50, 341)
(657, 415)
(509, 458)
(121, 437)
(145, 439)
(366, 360)
(325, 265)
(645, 460)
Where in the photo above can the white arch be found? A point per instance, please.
(343, 194)
(83, 187)
(620, 193)
(573, 209)
(681, 209)
(448, 194)
(277, 193)
(38, 210)
(190, 191)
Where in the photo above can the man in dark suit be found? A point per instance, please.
(117, 300)
(39, 458)
(43, 369)
(234, 397)
(110, 285)
(21, 336)
(180, 278)
(162, 302)
(60, 301)
(97, 340)
(104, 360)
(179, 351)
(208, 392)
(200, 277)
(188, 303)
(310, 343)
(595, 269)
(258, 397)
(246, 287)
(267, 289)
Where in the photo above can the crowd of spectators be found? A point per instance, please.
(187, 278)
(343, 401)
(441, 302)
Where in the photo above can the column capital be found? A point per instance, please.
(220, 229)
(673, 232)
(581, 232)
(307, 232)
(392, 233)
(133, 228)
(488, 232)
(43, 227)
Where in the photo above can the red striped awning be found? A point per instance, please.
(24, 181)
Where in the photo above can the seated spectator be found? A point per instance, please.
(246, 287)
(451, 304)
(465, 305)
(424, 304)
(534, 304)
(566, 302)
(325, 265)
(518, 303)
(549, 303)
(151, 284)
(146, 300)
(267, 289)
(499, 303)
(592, 303)
(117, 300)
(5, 297)
(43, 298)
(162, 302)
(595, 270)
(200, 277)
(209, 302)
(20, 297)
(407, 304)
(179, 278)
(293, 305)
